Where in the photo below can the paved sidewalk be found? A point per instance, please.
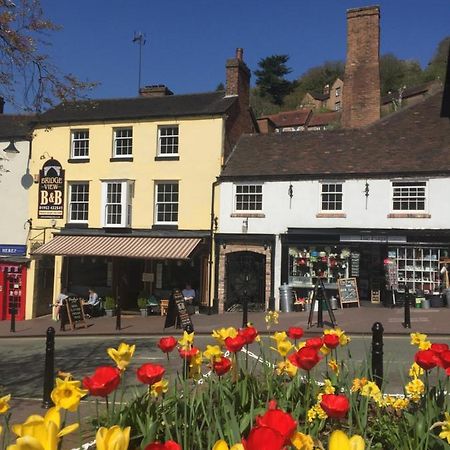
(434, 321)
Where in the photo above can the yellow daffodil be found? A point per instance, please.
(416, 371)
(283, 348)
(340, 441)
(212, 352)
(325, 350)
(40, 433)
(397, 403)
(271, 318)
(222, 445)
(328, 388)
(334, 366)
(1, 429)
(122, 356)
(4, 403)
(195, 366)
(424, 345)
(286, 367)
(187, 340)
(358, 383)
(279, 336)
(316, 412)
(302, 441)
(445, 427)
(221, 334)
(159, 388)
(114, 438)
(415, 389)
(67, 394)
(343, 338)
(417, 338)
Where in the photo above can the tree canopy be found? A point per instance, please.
(28, 78)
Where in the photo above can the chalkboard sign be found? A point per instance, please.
(348, 291)
(354, 264)
(74, 313)
(177, 314)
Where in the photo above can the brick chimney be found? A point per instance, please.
(361, 96)
(155, 90)
(238, 78)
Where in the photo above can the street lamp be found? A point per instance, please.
(11, 149)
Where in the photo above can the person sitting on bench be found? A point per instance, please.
(92, 304)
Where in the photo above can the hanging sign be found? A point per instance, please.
(354, 264)
(51, 191)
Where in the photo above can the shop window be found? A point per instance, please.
(79, 202)
(408, 195)
(168, 140)
(80, 144)
(331, 197)
(117, 199)
(166, 203)
(123, 142)
(248, 197)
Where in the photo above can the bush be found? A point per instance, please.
(142, 303)
(110, 303)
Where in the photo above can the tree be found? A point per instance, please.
(397, 73)
(271, 79)
(438, 65)
(24, 67)
(314, 79)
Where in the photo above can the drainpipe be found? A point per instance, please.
(211, 243)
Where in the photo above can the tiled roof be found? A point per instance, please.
(411, 92)
(325, 118)
(415, 140)
(290, 118)
(15, 126)
(319, 96)
(206, 104)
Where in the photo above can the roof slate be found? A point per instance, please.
(290, 118)
(211, 103)
(15, 126)
(415, 140)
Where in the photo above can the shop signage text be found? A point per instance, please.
(372, 238)
(8, 250)
(51, 191)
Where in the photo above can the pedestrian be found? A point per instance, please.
(92, 303)
(60, 302)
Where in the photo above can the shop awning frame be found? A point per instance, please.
(120, 246)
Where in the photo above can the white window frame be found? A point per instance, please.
(78, 201)
(406, 196)
(172, 148)
(331, 202)
(124, 202)
(159, 204)
(76, 141)
(121, 139)
(338, 91)
(255, 198)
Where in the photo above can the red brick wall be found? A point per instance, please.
(361, 97)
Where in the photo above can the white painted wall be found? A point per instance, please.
(305, 205)
(13, 195)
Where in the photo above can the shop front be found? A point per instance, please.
(383, 262)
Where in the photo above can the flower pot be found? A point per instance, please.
(425, 303)
(109, 312)
(144, 312)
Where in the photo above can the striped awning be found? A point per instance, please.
(123, 246)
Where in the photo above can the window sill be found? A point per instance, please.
(125, 159)
(409, 216)
(78, 160)
(167, 158)
(331, 215)
(164, 227)
(245, 215)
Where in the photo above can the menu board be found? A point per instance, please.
(74, 313)
(177, 313)
(391, 275)
(354, 264)
(348, 291)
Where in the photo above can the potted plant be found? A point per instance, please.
(110, 306)
(143, 306)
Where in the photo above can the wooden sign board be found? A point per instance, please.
(74, 313)
(348, 291)
(375, 296)
(177, 313)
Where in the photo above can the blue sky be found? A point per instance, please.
(188, 41)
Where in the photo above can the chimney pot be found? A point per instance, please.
(240, 54)
(155, 90)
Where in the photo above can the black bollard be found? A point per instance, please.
(245, 310)
(320, 310)
(12, 310)
(407, 322)
(377, 353)
(49, 370)
(118, 317)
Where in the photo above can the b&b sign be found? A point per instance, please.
(51, 190)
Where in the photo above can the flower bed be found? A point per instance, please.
(298, 394)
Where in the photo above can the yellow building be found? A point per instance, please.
(123, 197)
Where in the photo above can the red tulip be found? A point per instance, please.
(336, 406)
(331, 340)
(264, 438)
(447, 371)
(103, 382)
(278, 420)
(427, 359)
(249, 334)
(150, 373)
(314, 343)
(306, 358)
(169, 445)
(445, 359)
(439, 348)
(167, 344)
(222, 366)
(235, 344)
(188, 354)
(295, 332)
